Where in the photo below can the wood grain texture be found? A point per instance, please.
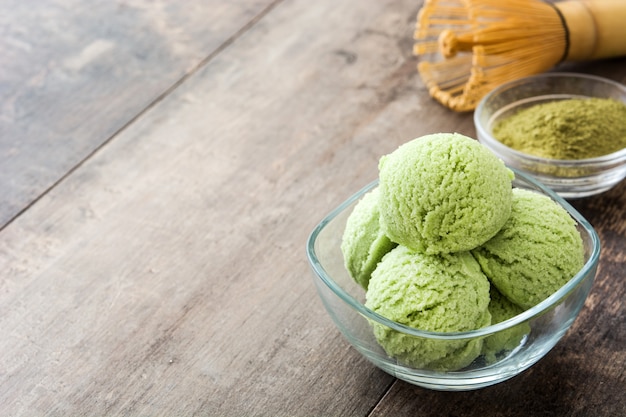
(166, 275)
(73, 73)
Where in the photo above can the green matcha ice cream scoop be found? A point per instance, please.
(443, 193)
(439, 293)
(364, 244)
(537, 251)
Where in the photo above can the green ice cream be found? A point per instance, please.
(537, 251)
(364, 244)
(501, 343)
(441, 293)
(445, 244)
(443, 193)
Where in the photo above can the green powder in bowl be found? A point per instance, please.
(571, 129)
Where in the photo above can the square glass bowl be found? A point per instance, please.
(569, 178)
(543, 324)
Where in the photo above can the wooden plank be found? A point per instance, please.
(74, 72)
(167, 274)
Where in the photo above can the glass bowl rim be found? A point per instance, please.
(534, 311)
(608, 159)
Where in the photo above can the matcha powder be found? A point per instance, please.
(566, 129)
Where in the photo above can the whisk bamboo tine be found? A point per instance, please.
(468, 47)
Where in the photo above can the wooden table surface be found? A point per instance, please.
(161, 166)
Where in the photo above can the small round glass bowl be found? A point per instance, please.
(569, 178)
(543, 324)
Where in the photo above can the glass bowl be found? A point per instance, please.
(544, 323)
(569, 178)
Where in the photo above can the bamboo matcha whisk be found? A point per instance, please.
(468, 47)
